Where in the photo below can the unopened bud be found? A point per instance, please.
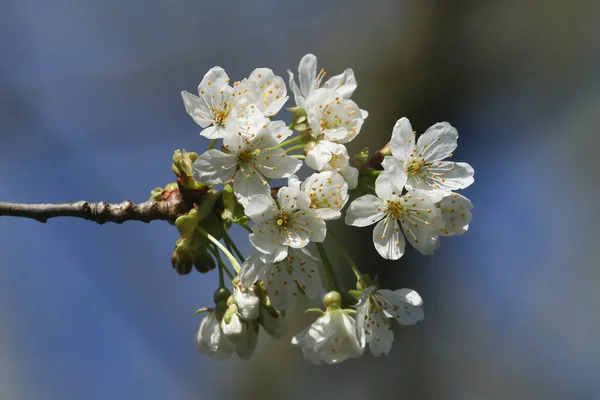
(182, 262)
(203, 261)
(332, 299)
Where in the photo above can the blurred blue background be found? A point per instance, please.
(90, 109)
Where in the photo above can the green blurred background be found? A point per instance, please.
(90, 109)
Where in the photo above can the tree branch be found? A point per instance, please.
(166, 210)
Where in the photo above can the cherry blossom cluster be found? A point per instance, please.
(250, 176)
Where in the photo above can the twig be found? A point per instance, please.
(101, 212)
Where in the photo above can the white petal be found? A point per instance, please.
(273, 163)
(379, 335)
(388, 240)
(365, 210)
(438, 142)
(403, 140)
(279, 130)
(421, 223)
(313, 223)
(214, 166)
(390, 183)
(259, 205)
(246, 345)
(443, 177)
(215, 80)
(294, 182)
(404, 305)
(456, 212)
(274, 323)
(214, 132)
(344, 84)
(307, 73)
(266, 244)
(318, 156)
(197, 109)
(292, 199)
(288, 278)
(298, 97)
(350, 175)
(248, 182)
(252, 268)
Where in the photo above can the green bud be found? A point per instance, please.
(182, 162)
(186, 223)
(332, 300)
(356, 294)
(221, 295)
(156, 194)
(364, 282)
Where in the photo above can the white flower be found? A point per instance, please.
(292, 223)
(210, 339)
(249, 160)
(456, 212)
(328, 192)
(414, 212)
(377, 307)
(329, 156)
(248, 303)
(422, 159)
(337, 119)
(332, 338)
(284, 280)
(218, 107)
(271, 93)
(309, 81)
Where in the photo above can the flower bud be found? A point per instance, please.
(248, 303)
(332, 299)
(203, 261)
(231, 324)
(182, 262)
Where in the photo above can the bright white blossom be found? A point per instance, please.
(335, 118)
(456, 212)
(328, 192)
(218, 107)
(308, 81)
(375, 310)
(270, 91)
(284, 280)
(249, 160)
(415, 213)
(422, 160)
(329, 156)
(210, 339)
(332, 338)
(291, 222)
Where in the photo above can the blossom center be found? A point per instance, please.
(395, 209)
(247, 156)
(415, 167)
(282, 220)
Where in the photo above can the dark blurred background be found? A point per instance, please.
(90, 109)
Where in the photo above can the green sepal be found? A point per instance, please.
(360, 158)
(315, 311)
(207, 205)
(357, 294)
(186, 223)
